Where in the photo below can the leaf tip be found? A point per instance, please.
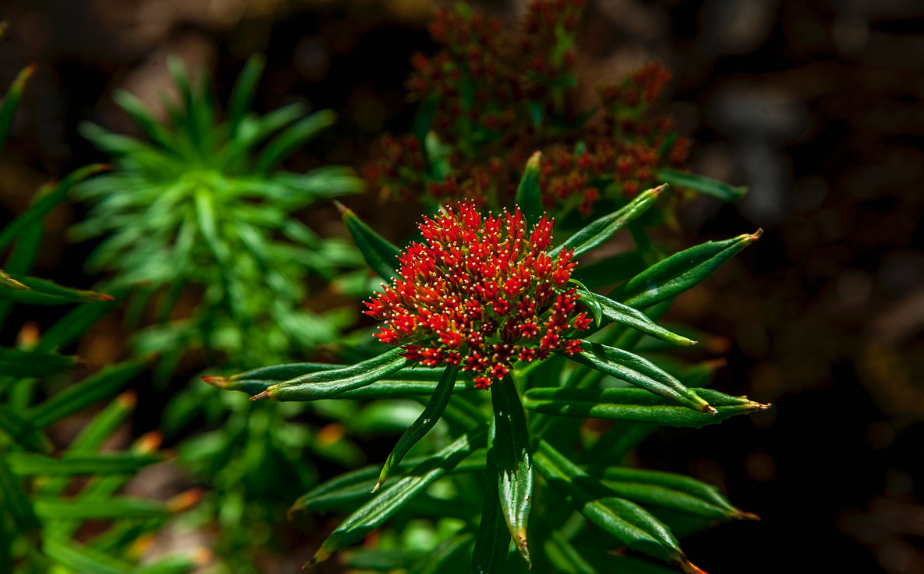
(128, 399)
(710, 410)
(344, 210)
(260, 396)
(215, 381)
(320, 556)
(755, 236)
(185, 500)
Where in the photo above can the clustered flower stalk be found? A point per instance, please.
(479, 294)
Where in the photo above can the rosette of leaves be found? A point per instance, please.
(488, 303)
(61, 509)
(488, 98)
(202, 210)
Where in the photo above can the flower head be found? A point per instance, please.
(480, 294)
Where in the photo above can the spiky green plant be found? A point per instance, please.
(202, 209)
(200, 224)
(489, 303)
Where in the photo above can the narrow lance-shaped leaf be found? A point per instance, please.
(529, 198)
(48, 201)
(514, 461)
(244, 87)
(372, 514)
(679, 272)
(702, 184)
(355, 485)
(631, 317)
(419, 429)
(22, 464)
(602, 229)
(281, 146)
(77, 397)
(493, 541)
(380, 254)
(11, 101)
(628, 522)
(33, 364)
(13, 498)
(8, 282)
(635, 405)
(640, 372)
(673, 491)
(326, 384)
(44, 292)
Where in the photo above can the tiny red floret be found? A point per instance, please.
(480, 294)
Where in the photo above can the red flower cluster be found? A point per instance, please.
(499, 94)
(480, 294)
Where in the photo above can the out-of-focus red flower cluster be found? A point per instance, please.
(480, 294)
(500, 97)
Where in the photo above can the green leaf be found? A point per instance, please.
(45, 292)
(492, 544)
(356, 485)
(94, 508)
(243, 92)
(426, 421)
(22, 431)
(327, 384)
(83, 559)
(702, 184)
(380, 254)
(444, 558)
(625, 315)
(14, 500)
(514, 461)
(48, 201)
(23, 463)
(603, 228)
(33, 364)
(11, 101)
(290, 139)
(679, 272)
(7, 282)
(529, 197)
(672, 491)
(624, 520)
(635, 405)
(372, 514)
(638, 371)
(75, 398)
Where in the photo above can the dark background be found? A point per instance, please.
(817, 106)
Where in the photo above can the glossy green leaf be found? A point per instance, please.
(23, 463)
(391, 499)
(631, 317)
(529, 197)
(672, 491)
(48, 201)
(357, 485)
(702, 184)
(636, 405)
(640, 372)
(679, 272)
(380, 254)
(75, 398)
(326, 384)
(514, 461)
(624, 520)
(419, 429)
(33, 364)
(492, 544)
(11, 101)
(603, 228)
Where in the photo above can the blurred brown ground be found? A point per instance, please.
(817, 106)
